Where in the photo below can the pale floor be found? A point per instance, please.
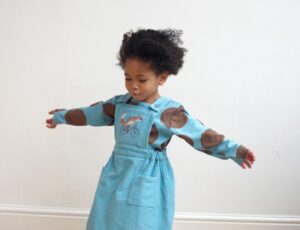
(42, 222)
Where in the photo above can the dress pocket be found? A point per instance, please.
(143, 191)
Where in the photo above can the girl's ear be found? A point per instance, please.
(163, 78)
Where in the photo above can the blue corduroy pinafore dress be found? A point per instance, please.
(136, 187)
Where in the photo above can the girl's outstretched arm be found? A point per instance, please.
(207, 140)
(97, 114)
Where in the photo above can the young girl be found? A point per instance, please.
(136, 186)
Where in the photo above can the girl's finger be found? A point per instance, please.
(251, 156)
(243, 165)
(51, 126)
(248, 163)
(49, 121)
(55, 110)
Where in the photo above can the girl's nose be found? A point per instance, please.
(135, 86)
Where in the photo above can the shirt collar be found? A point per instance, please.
(156, 105)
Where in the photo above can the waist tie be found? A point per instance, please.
(133, 151)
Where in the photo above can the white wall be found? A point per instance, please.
(241, 78)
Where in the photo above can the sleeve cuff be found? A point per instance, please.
(59, 117)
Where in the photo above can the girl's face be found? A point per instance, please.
(140, 80)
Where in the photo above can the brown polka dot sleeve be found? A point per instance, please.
(98, 114)
(202, 138)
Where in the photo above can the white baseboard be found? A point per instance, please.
(46, 218)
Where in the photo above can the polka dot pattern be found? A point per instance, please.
(187, 139)
(109, 110)
(179, 118)
(210, 139)
(75, 117)
(153, 134)
(166, 116)
(174, 117)
(172, 120)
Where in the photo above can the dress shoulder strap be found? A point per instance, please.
(123, 98)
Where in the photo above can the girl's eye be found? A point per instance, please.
(142, 81)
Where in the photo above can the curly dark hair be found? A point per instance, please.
(161, 48)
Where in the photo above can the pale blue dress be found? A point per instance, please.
(136, 186)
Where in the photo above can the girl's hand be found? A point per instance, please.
(249, 159)
(50, 122)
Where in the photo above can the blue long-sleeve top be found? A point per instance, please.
(172, 119)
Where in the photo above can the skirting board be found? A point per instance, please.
(39, 218)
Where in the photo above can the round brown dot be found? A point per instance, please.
(179, 118)
(75, 117)
(166, 116)
(153, 134)
(174, 117)
(187, 139)
(109, 110)
(210, 138)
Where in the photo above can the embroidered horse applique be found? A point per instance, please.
(130, 125)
